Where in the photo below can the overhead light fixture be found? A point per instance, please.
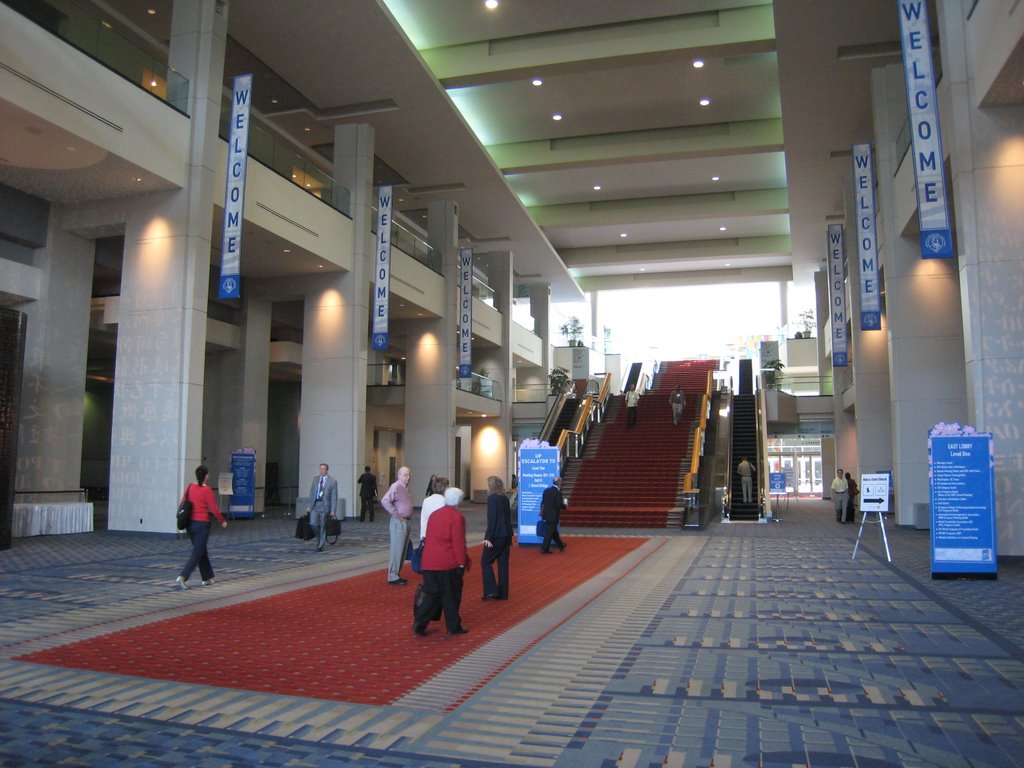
(721, 229)
(698, 63)
(538, 81)
(597, 187)
(287, 250)
(623, 234)
(273, 101)
(152, 83)
(490, 5)
(138, 178)
(557, 116)
(307, 129)
(151, 11)
(705, 102)
(715, 178)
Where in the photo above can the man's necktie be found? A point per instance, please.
(320, 493)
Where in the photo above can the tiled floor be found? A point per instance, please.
(742, 645)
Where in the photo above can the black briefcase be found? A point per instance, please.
(303, 530)
(333, 528)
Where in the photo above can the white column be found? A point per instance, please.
(158, 389)
(56, 350)
(988, 185)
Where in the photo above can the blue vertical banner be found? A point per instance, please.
(867, 240)
(234, 192)
(537, 468)
(925, 136)
(961, 474)
(837, 295)
(382, 270)
(465, 313)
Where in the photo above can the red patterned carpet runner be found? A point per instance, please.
(348, 640)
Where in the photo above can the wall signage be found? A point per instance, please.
(382, 270)
(837, 294)
(867, 240)
(234, 193)
(465, 313)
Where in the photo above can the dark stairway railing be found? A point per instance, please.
(565, 418)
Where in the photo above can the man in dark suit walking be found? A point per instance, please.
(367, 493)
(551, 506)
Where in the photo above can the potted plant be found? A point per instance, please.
(557, 380)
(771, 374)
(806, 319)
(572, 330)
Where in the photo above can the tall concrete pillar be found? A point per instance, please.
(431, 362)
(56, 352)
(353, 168)
(922, 320)
(158, 389)
(988, 184)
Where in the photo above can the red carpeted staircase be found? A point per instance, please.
(634, 477)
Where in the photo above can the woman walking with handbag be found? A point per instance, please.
(203, 503)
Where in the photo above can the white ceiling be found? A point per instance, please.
(788, 83)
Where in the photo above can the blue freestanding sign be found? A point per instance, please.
(243, 483)
(961, 471)
(777, 483)
(537, 468)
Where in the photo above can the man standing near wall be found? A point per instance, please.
(397, 502)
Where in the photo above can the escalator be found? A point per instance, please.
(744, 445)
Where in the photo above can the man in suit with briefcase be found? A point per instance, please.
(323, 503)
(551, 506)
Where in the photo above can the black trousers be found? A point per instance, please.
(551, 535)
(442, 588)
(366, 505)
(496, 555)
(630, 416)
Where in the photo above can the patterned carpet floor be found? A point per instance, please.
(349, 639)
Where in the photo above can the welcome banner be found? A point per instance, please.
(867, 241)
(926, 138)
(465, 313)
(837, 295)
(234, 192)
(382, 270)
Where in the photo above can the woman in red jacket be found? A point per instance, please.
(203, 503)
(444, 563)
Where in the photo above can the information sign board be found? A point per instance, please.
(961, 471)
(777, 483)
(243, 480)
(874, 492)
(537, 468)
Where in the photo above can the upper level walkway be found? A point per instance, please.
(740, 645)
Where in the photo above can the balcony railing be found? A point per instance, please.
(96, 38)
(480, 385)
(530, 393)
(411, 244)
(289, 164)
(385, 375)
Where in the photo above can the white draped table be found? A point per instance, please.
(42, 519)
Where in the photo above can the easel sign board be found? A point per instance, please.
(537, 468)
(874, 492)
(777, 483)
(961, 473)
(243, 492)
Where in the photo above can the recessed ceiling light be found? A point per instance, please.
(273, 101)
(152, 83)
(69, 148)
(597, 187)
(728, 264)
(106, 24)
(307, 129)
(643, 269)
(715, 178)
(721, 229)
(538, 81)
(320, 266)
(556, 116)
(623, 234)
(138, 178)
(705, 102)
(287, 250)
(490, 5)
(698, 63)
(151, 11)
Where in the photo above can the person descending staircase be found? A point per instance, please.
(634, 479)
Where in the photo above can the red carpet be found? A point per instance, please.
(350, 640)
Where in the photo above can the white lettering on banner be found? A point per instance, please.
(837, 295)
(465, 313)
(867, 242)
(234, 192)
(925, 134)
(382, 270)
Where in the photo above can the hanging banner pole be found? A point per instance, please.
(867, 240)
(837, 295)
(234, 192)
(465, 313)
(925, 136)
(382, 270)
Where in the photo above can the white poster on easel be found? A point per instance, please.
(874, 502)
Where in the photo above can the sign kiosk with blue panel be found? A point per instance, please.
(537, 468)
(243, 484)
(961, 474)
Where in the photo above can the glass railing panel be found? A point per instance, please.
(385, 375)
(77, 26)
(483, 292)
(480, 385)
(411, 244)
(530, 393)
(289, 164)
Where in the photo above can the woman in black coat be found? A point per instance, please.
(497, 541)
